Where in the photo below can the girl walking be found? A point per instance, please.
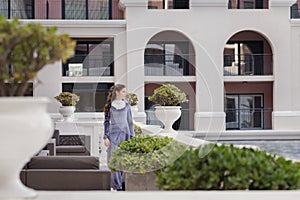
(118, 126)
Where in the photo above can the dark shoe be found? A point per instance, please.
(123, 186)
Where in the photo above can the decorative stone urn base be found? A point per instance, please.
(25, 127)
(134, 110)
(168, 115)
(67, 112)
(140, 182)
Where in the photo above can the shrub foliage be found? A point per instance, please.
(168, 95)
(145, 153)
(229, 168)
(67, 98)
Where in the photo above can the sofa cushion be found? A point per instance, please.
(70, 149)
(61, 179)
(64, 162)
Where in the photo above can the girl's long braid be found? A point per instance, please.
(109, 100)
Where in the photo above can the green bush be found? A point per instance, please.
(67, 98)
(229, 168)
(168, 95)
(145, 153)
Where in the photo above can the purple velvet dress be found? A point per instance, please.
(118, 127)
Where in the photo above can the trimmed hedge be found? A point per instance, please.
(145, 153)
(229, 168)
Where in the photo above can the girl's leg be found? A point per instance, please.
(116, 180)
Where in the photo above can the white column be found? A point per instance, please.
(49, 85)
(135, 41)
(209, 116)
(285, 116)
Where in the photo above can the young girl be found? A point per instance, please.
(118, 126)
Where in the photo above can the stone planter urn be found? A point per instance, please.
(67, 112)
(168, 115)
(134, 110)
(25, 128)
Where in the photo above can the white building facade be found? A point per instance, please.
(239, 67)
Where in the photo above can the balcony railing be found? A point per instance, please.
(168, 64)
(22, 9)
(91, 65)
(256, 118)
(295, 11)
(248, 4)
(248, 64)
(61, 9)
(183, 123)
(85, 9)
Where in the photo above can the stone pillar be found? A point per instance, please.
(285, 116)
(135, 45)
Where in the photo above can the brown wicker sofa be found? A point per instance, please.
(65, 173)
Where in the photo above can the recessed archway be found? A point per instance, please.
(248, 105)
(170, 54)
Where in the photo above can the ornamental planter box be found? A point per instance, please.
(140, 182)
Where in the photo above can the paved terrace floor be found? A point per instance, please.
(172, 195)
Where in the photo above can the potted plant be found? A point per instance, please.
(168, 97)
(25, 50)
(133, 100)
(68, 101)
(142, 157)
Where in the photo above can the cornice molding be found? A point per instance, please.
(209, 3)
(281, 3)
(133, 3)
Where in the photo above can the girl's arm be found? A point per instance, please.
(130, 121)
(106, 126)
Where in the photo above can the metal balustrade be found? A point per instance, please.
(183, 123)
(168, 64)
(248, 64)
(252, 118)
(248, 4)
(89, 65)
(61, 9)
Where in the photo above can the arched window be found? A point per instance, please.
(169, 53)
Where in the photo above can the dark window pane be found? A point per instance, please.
(92, 58)
(75, 9)
(82, 9)
(181, 4)
(4, 8)
(92, 95)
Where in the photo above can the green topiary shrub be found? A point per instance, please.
(168, 95)
(145, 153)
(229, 168)
(67, 98)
